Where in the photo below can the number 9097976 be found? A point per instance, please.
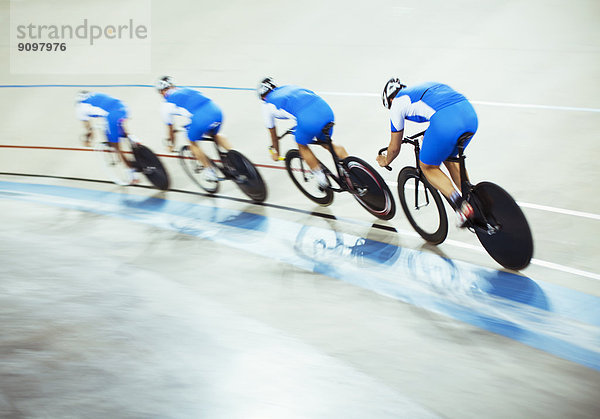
(41, 46)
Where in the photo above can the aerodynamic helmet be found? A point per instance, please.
(265, 86)
(391, 89)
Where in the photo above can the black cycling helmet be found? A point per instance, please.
(265, 86)
(391, 89)
(165, 82)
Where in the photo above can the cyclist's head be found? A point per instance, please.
(391, 89)
(165, 82)
(81, 96)
(265, 86)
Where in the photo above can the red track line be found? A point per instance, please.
(171, 156)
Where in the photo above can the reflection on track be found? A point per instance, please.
(552, 318)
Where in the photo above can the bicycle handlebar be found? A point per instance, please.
(380, 152)
(411, 140)
(289, 131)
(412, 137)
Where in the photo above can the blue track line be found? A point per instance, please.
(120, 85)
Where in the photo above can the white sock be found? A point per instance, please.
(321, 178)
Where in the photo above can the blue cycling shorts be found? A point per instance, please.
(311, 120)
(206, 120)
(114, 129)
(445, 126)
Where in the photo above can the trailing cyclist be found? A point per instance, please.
(204, 117)
(311, 114)
(450, 115)
(95, 105)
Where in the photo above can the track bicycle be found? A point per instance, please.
(352, 175)
(498, 221)
(232, 165)
(144, 161)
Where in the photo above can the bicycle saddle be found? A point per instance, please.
(327, 130)
(464, 138)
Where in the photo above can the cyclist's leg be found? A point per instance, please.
(206, 120)
(308, 156)
(311, 122)
(303, 139)
(115, 130)
(325, 137)
(454, 170)
(217, 116)
(223, 142)
(439, 143)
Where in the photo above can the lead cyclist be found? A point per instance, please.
(449, 115)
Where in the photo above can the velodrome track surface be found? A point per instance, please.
(128, 302)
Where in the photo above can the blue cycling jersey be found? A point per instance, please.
(309, 110)
(418, 103)
(102, 105)
(449, 114)
(292, 99)
(102, 102)
(188, 99)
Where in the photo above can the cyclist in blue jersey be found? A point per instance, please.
(203, 118)
(99, 105)
(311, 114)
(449, 114)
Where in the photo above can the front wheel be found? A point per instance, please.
(196, 171)
(305, 180)
(501, 226)
(369, 188)
(149, 164)
(422, 205)
(245, 175)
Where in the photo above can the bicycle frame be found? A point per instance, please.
(220, 164)
(414, 140)
(340, 171)
(466, 187)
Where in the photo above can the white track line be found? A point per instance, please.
(542, 207)
(537, 262)
(560, 210)
(481, 102)
(523, 105)
(567, 269)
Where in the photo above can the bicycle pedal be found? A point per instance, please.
(491, 230)
(241, 178)
(362, 191)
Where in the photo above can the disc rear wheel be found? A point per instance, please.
(245, 175)
(371, 190)
(501, 226)
(149, 164)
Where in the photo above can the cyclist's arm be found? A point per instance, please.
(274, 139)
(269, 120)
(393, 149)
(171, 133)
(167, 110)
(88, 127)
(83, 114)
(274, 144)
